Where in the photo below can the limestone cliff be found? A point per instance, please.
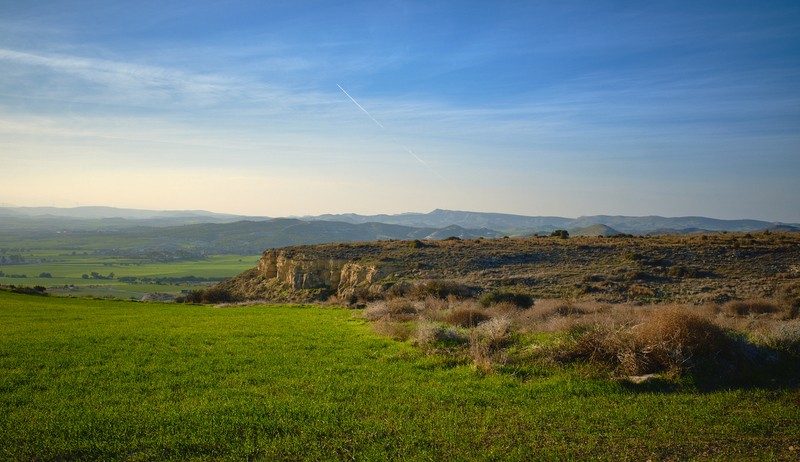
(297, 271)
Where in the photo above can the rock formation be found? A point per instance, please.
(297, 271)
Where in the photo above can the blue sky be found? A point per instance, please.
(538, 108)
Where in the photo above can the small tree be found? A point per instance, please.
(562, 233)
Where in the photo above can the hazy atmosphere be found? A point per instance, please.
(291, 108)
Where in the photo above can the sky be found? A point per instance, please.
(290, 108)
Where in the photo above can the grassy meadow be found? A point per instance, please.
(119, 277)
(84, 379)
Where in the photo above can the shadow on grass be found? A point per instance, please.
(770, 371)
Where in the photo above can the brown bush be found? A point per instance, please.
(750, 307)
(486, 343)
(393, 330)
(466, 317)
(786, 338)
(441, 289)
(599, 344)
(674, 339)
(427, 333)
(212, 295)
(398, 309)
(638, 290)
(671, 339)
(562, 309)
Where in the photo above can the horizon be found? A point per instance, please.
(674, 109)
(294, 216)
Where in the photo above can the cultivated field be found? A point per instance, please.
(101, 380)
(71, 273)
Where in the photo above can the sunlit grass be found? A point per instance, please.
(91, 380)
(68, 270)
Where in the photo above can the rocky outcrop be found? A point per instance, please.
(684, 269)
(298, 271)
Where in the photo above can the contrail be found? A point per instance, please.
(407, 149)
(359, 106)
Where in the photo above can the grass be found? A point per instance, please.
(110, 380)
(67, 270)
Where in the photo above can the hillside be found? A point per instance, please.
(120, 237)
(519, 224)
(467, 224)
(693, 269)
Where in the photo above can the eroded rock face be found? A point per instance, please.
(297, 271)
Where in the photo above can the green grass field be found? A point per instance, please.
(88, 379)
(68, 270)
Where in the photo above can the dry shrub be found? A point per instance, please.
(434, 305)
(486, 343)
(495, 331)
(440, 289)
(638, 290)
(562, 309)
(784, 337)
(500, 296)
(428, 333)
(392, 329)
(398, 309)
(674, 339)
(600, 344)
(398, 290)
(671, 339)
(750, 307)
(548, 316)
(507, 310)
(790, 295)
(466, 316)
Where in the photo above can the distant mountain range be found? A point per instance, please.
(93, 217)
(521, 225)
(200, 232)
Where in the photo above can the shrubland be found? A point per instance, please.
(740, 341)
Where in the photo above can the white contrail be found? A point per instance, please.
(407, 149)
(359, 106)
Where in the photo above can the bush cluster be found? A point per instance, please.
(212, 295)
(624, 340)
(498, 296)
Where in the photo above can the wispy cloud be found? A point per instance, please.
(122, 81)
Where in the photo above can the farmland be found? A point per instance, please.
(101, 379)
(79, 274)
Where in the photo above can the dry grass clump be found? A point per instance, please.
(561, 309)
(750, 307)
(554, 316)
(428, 333)
(674, 339)
(466, 316)
(499, 296)
(398, 309)
(394, 330)
(785, 338)
(486, 343)
(441, 289)
(670, 340)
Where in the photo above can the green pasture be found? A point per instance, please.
(67, 270)
(85, 379)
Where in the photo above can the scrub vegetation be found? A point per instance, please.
(750, 342)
